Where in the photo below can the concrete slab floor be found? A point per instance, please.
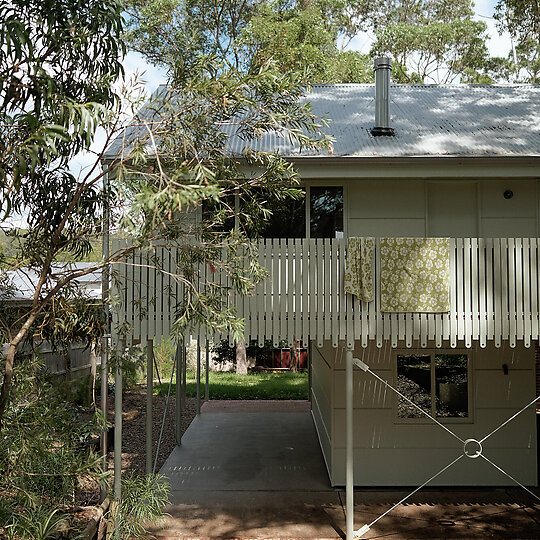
(262, 475)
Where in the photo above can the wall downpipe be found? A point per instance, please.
(383, 68)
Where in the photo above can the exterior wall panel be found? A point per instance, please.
(394, 452)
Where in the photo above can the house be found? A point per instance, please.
(458, 163)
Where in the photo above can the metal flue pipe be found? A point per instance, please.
(382, 67)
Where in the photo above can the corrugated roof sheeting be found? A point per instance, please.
(430, 120)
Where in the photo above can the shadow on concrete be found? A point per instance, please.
(262, 475)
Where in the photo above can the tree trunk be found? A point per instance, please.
(6, 384)
(241, 358)
(294, 356)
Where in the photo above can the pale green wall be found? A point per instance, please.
(389, 452)
(440, 207)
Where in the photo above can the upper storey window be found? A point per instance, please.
(326, 212)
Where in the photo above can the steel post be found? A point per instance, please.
(349, 475)
(118, 431)
(198, 376)
(207, 372)
(149, 393)
(178, 393)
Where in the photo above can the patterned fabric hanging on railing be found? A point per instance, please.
(415, 275)
(359, 268)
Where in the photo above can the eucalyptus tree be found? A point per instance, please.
(305, 37)
(430, 40)
(308, 38)
(521, 18)
(58, 61)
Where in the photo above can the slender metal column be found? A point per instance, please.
(178, 406)
(207, 372)
(118, 432)
(349, 476)
(184, 374)
(105, 252)
(198, 375)
(149, 394)
(104, 390)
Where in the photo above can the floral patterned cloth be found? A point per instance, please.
(415, 275)
(359, 268)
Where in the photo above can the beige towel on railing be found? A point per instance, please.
(359, 268)
(415, 275)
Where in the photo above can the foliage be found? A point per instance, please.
(251, 386)
(224, 353)
(195, 120)
(521, 18)
(37, 524)
(431, 41)
(304, 41)
(133, 364)
(244, 35)
(143, 499)
(42, 455)
(58, 62)
(164, 355)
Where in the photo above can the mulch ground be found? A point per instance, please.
(134, 428)
(134, 435)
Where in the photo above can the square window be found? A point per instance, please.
(437, 383)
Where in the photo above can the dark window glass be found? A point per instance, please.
(288, 219)
(326, 212)
(414, 382)
(451, 385)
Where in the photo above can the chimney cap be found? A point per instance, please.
(383, 62)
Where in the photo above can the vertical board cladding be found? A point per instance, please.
(494, 296)
(392, 451)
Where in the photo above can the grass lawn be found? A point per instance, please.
(252, 386)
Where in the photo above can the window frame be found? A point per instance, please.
(432, 352)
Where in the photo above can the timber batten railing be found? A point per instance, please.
(494, 296)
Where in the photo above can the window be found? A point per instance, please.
(288, 219)
(326, 212)
(436, 382)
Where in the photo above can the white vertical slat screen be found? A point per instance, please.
(494, 295)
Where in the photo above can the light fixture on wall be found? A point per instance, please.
(508, 194)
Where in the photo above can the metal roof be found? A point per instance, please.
(429, 121)
(24, 280)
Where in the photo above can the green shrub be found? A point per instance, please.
(143, 499)
(42, 455)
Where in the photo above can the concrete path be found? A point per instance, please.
(261, 474)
